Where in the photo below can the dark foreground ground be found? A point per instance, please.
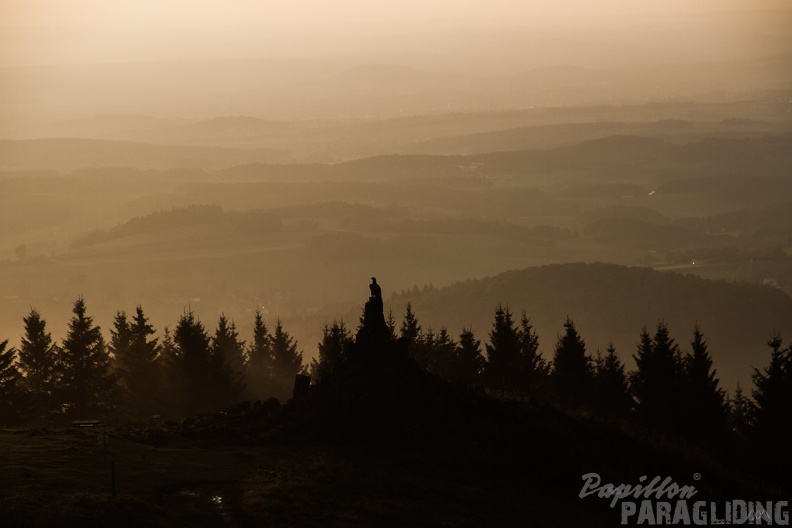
(228, 470)
(63, 478)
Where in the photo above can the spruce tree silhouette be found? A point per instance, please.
(410, 330)
(657, 384)
(137, 359)
(611, 389)
(503, 352)
(38, 357)
(424, 350)
(534, 370)
(706, 410)
(145, 365)
(442, 355)
(190, 375)
(258, 370)
(772, 395)
(572, 375)
(226, 340)
(513, 363)
(390, 322)
(468, 363)
(286, 362)
(86, 384)
(741, 411)
(228, 360)
(11, 395)
(336, 339)
(120, 341)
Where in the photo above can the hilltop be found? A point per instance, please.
(613, 303)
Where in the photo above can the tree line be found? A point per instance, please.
(136, 375)
(190, 371)
(670, 391)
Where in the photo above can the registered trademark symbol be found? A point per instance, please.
(696, 476)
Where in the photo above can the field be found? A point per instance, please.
(437, 456)
(64, 478)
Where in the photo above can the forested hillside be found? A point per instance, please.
(612, 304)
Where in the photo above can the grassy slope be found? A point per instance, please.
(60, 478)
(514, 465)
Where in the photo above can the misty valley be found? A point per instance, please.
(296, 240)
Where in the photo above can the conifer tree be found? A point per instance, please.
(532, 367)
(423, 350)
(86, 385)
(259, 367)
(168, 366)
(167, 349)
(138, 362)
(190, 372)
(772, 395)
(120, 338)
(286, 361)
(612, 392)
(145, 360)
(336, 340)
(227, 340)
(410, 330)
(572, 373)
(656, 384)
(443, 354)
(503, 351)
(11, 396)
(228, 360)
(741, 411)
(390, 322)
(705, 409)
(468, 364)
(419, 343)
(38, 357)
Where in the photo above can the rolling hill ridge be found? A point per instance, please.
(608, 302)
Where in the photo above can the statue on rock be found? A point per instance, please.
(376, 291)
(373, 328)
(375, 300)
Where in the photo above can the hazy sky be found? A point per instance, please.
(331, 16)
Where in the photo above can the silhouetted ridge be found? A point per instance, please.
(377, 390)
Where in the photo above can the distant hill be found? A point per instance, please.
(108, 126)
(750, 226)
(221, 130)
(547, 136)
(613, 303)
(386, 74)
(65, 154)
(620, 156)
(196, 217)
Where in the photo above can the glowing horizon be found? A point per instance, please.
(343, 15)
